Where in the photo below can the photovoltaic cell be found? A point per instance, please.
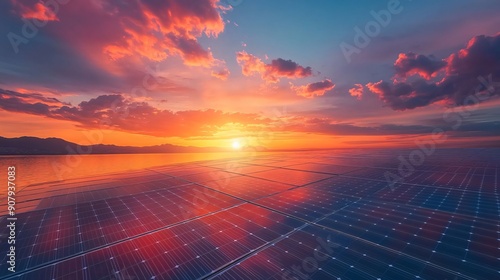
(248, 188)
(295, 215)
(184, 251)
(437, 236)
(293, 177)
(302, 256)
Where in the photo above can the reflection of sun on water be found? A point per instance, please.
(236, 144)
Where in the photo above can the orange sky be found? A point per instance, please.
(211, 74)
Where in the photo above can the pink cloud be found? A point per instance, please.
(271, 72)
(409, 64)
(469, 71)
(314, 89)
(250, 63)
(119, 113)
(37, 11)
(146, 29)
(357, 91)
(222, 74)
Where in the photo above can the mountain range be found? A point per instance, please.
(55, 146)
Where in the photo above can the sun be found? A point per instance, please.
(236, 144)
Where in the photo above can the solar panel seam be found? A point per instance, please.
(231, 195)
(414, 184)
(298, 186)
(65, 182)
(319, 172)
(425, 237)
(437, 195)
(90, 191)
(41, 266)
(246, 175)
(128, 195)
(403, 212)
(314, 223)
(454, 213)
(126, 182)
(271, 209)
(394, 251)
(36, 199)
(248, 255)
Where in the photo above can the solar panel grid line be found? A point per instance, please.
(50, 200)
(106, 245)
(478, 215)
(259, 203)
(296, 167)
(471, 228)
(34, 242)
(254, 252)
(326, 176)
(104, 179)
(323, 224)
(225, 193)
(407, 183)
(235, 225)
(348, 268)
(393, 251)
(485, 226)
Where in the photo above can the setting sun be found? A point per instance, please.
(236, 144)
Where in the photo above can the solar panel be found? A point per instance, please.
(327, 215)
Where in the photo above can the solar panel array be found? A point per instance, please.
(301, 215)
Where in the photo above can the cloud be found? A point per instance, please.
(30, 97)
(472, 70)
(401, 96)
(357, 91)
(287, 68)
(119, 113)
(250, 63)
(24, 103)
(222, 74)
(332, 127)
(314, 89)
(416, 64)
(37, 11)
(108, 52)
(272, 72)
(157, 29)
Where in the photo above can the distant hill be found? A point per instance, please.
(56, 146)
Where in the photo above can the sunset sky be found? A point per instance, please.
(279, 74)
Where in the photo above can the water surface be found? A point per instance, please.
(38, 169)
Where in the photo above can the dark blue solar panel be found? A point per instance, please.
(301, 215)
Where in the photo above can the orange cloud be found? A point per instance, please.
(147, 29)
(168, 28)
(38, 11)
(222, 74)
(314, 89)
(115, 112)
(250, 63)
(357, 91)
(272, 72)
(409, 64)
